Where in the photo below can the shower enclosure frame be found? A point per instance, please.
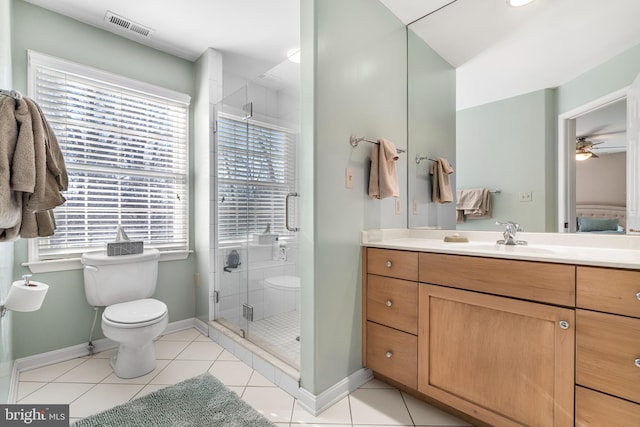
(238, 300)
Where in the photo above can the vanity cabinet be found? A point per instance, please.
(607, 347)
(477, 334)
(505, 361)
(390, 314)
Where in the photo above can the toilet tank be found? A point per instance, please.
(114, 279)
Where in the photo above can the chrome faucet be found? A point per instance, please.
(510, 234)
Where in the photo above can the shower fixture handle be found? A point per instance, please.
(286, 212)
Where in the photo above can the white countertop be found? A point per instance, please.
(566, 248)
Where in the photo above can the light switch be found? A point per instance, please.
(525, 196)
(398, 206)
(348, 178)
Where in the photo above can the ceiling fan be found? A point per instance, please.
(584, 148)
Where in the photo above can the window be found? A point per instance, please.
(125, 148)
(256, 170)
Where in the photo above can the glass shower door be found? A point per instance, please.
(232, 208)
(257, 281)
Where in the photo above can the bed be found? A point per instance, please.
(606, 219)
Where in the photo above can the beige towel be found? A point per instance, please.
(32, 171)
(473, 204)
(51, 175)
(383, 178)
(10, 201)
(441, 184)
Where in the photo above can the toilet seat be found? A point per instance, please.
(135, 314)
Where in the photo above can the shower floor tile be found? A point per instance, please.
(279, 334)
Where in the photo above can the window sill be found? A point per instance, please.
(65, 264)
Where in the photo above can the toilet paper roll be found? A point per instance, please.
(26, 298)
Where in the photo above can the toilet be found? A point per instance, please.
(123, 285)
(281, 295)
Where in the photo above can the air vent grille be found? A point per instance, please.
(127, 24)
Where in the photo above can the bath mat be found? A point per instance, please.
(199, 401)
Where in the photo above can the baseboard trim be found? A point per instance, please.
(80, 350)
(201, 326)
(315, 404)
(12, 396)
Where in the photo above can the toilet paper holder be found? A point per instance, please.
(26, 296)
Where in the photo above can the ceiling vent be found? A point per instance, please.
(127, 24)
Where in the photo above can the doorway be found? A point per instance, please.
(599, 126)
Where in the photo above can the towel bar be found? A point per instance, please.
(420, 158)
(354, 141)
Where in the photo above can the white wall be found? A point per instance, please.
(602, 181)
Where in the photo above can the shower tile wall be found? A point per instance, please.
(257, 263)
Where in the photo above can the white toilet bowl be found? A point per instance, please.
(134, 325)
(281, 295)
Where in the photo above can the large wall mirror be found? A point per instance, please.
(530, 87)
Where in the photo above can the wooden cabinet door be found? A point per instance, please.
(506, 362)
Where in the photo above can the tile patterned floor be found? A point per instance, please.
(278, 334)
(89, 385)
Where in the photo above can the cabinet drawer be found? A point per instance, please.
(393, 354)
(534, 281)
(391, 263)
(393, 302)
(608, 290)
(597, 409)
(607, 353)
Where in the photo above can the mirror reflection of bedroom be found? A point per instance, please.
(601, 166)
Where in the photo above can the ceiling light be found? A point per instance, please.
(518, 3)
(583, 155)
(293, 55)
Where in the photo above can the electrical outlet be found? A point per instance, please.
(196, 279)
(398, 206)
(525, 196)
(348, 178)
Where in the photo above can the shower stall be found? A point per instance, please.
(257, 285)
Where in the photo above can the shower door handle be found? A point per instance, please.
(286, 212)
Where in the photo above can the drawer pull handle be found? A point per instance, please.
(389, 354)
(638, 295)
(389, 303)
(637, 362)
(564, 324)
(388, 264)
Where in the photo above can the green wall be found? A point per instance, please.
(504, 144)
(354, 83)
(431, 124)
(615, 74)
(508, 145)
(65, 317)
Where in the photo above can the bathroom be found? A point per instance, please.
(328, 239)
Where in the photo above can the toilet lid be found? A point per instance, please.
(138, 311)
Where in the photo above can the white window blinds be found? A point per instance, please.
(256, 170)
(126, 155)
